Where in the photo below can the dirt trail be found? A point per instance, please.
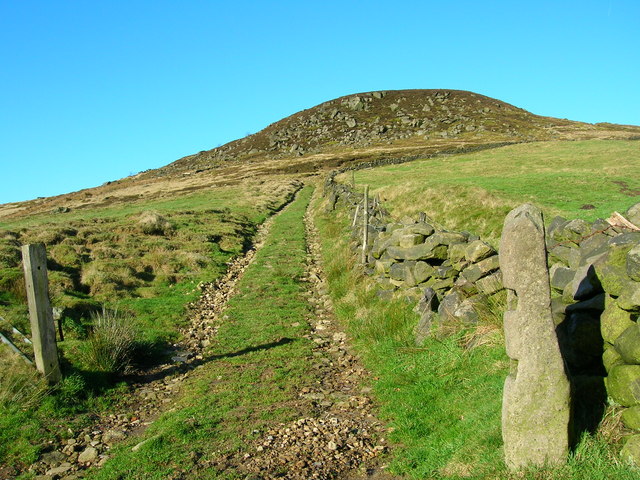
(338, 436)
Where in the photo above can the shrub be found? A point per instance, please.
(111, 343)
(152, 223)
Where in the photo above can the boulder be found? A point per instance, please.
(422, 271)
(623, 384)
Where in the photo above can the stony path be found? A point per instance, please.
(341, 438)
(337, 437)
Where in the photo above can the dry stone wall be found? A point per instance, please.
(455, 276)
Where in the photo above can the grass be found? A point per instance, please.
(442, 400)
(474, 192)
(103, 258)
(251, 374)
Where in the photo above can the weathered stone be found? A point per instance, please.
(478, 270)
(88, 455)
(424, 251)
(585, 283)
(422, 271)
(623, 384)
(421, 228)
(445, 271)
(383, 266)
(614, 321)
(584, 338)
(558, 308)
(478, 250)
(411, 239)
(633, 214)
(629, 298)
(631, 450)
(465, 286)
(57, 472)
(593, 246)
(556, 226)
(444, 284)
(560, 253)
(490, 284)
(612, 277)
(447, 238)
(560, 276)
(427, 308)
(457, 253)
(611, 357)
(536, 410)
(631, 417)
(398, 271)
(633, 263)
(628, 345)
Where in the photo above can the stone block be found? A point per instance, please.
(490, 284)
(631, 450)
(611, 357)
(478, 270)
(478, 250)
(409, 240)
(631, 417)
(425, 251)
(623, 384)
(585, 284)
(628, 345)
(457, 253)
(614, 321)
(560, 276)
(633, 263)
(422, 271)
(629, 298)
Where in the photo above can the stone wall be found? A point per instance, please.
(453, 277)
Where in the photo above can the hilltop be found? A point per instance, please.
(350, 129)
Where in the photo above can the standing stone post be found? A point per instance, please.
(536, 399)
(365, 224)
(43, 332)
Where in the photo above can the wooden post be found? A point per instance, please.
(365, 227)
(355, 216)
(353, 179)
(43, 332)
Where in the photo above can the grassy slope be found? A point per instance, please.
(444, 399)
(229, 215)
(251, 375)
(474, 192)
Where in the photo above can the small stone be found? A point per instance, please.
(58, 471)
(631, 450)
(88, 455)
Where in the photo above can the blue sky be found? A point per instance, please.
(94, 91)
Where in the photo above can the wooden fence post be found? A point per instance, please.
(43, 332)
(365, 227)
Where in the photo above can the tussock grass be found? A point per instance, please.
(21, 385)
(111, 343)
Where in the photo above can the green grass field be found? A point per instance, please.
(474, 192)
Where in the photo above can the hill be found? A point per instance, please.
(349, 129)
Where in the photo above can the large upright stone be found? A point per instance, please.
(535, 409)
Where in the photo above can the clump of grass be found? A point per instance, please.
(20, 385)
(152, 223)
(111, 343)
